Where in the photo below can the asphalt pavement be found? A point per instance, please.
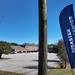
(26, 63)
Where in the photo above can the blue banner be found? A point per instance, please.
(67, 25)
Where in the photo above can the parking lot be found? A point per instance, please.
(26, 63)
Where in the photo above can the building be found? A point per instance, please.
(25, 48)
(30, 47)
(18, 49)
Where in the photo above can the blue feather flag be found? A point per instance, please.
(67, 24)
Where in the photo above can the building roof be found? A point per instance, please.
(18, 47)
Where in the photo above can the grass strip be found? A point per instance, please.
(66, 71)
(9, 73)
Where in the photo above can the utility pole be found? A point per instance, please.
(42, 66)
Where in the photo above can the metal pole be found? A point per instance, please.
(42, 66)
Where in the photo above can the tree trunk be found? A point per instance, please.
(0, 56)
(65, 63)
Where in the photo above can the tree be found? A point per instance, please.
(5, 48)
(62, 51)
(51, 47)
(14, 44)
(55, 47)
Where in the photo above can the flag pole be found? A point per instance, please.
(42, 65)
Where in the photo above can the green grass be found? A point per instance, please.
(66, 71)
(9, 73)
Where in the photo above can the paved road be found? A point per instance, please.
(26, 63)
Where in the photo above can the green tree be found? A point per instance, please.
(5, 48)
(55, 47)
(51, 47)
(14, 44)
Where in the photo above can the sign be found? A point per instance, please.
(67, 25)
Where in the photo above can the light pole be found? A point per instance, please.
(42, 66)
